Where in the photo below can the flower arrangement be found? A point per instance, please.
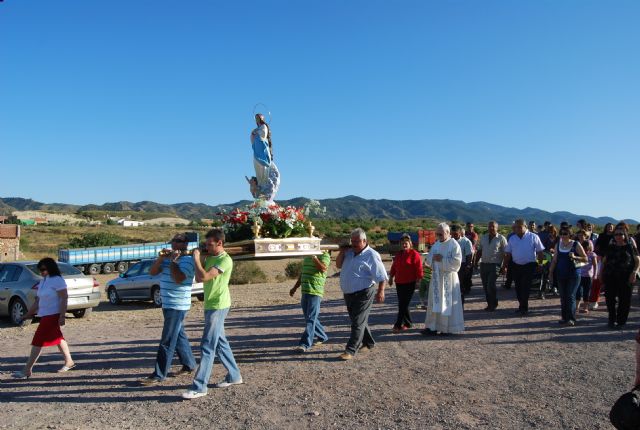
(275, 221)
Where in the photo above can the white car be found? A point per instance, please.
(18, 288)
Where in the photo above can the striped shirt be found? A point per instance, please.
(177, 296)
(311, 279)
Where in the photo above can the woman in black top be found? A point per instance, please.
(619, 268)
(602, 243)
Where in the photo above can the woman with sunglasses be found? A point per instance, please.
(51, 307)
(619, 268)
(567, 276)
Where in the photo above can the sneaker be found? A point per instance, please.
(150, 380)
(319, 342)
(428, 332)
(301, 349)
(395, 329)
(365, 348)
(190, 395)
(225, 384)
(345, 356)
(594, 306)
(571, 323)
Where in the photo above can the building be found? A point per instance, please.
(9, 242)
(40, 220)
(130, 223)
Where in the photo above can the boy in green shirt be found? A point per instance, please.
(312, 279)
(215, 274)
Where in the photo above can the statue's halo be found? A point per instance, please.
(263, 109)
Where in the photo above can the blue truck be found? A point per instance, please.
(109, 259)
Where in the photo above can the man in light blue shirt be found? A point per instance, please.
(524, 249)
(360, 269)
(177, 271)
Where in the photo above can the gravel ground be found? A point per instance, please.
(505, 372)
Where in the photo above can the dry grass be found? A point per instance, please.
(42, 241)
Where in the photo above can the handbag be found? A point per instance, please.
(578, 264)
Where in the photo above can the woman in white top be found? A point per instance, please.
(51, 307)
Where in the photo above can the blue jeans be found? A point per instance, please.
(173, 339)
(214, 343)
(567, 288)
(584, 289)
(313, 329)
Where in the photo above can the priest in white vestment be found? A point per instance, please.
(444, 310)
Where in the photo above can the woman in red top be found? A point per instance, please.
(407, 271)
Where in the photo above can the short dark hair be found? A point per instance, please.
(51, 266)
(215, 233)
(455, 227)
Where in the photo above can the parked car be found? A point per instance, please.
(19, 286)
(137, 284)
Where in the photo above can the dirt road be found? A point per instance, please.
(505, 372)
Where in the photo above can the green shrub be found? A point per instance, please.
(293, 269)
(247, 272)
(89, 240)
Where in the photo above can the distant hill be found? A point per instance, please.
(343, 207)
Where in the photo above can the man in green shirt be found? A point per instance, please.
(215, 274)
(312, 279)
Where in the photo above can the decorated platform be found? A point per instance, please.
(265, 230)
(277, 248)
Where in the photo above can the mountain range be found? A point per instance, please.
(352, 207)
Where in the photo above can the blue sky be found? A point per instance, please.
(528, 103)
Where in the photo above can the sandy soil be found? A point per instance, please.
(505, 372)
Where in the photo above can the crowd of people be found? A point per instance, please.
(577, 264)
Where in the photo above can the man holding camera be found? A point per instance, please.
(175, 289)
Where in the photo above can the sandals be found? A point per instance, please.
(66, 368)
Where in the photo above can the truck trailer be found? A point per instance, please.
(109, 259)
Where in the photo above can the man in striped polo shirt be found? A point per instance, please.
(175, 290)
(312, 279)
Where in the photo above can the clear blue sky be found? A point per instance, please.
(528, 103)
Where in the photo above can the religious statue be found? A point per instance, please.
(266, 182)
